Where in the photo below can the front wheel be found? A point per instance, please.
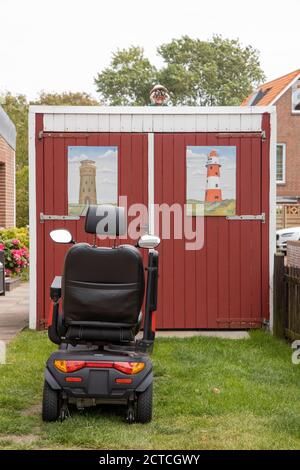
(50, 410)
(144, 405)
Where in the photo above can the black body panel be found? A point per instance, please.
(98, 383)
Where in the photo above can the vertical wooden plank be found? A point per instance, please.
(59, 122)
(255, 261)
(70, 224)
(81, 235)
(179, 168)
(158, 198)
(190, 284)
(126, 125)
(212, 258)
(201, 123)
(168, 260)
(247, 251)
(200, 266)
(49, 225)
(265, 208)
(60, 188)
(103, 122)
(235, 245)
(223, 263)
(40, 238)
(114, 122)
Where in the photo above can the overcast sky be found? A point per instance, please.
(60, 45)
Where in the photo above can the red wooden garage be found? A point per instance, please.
(227, 283)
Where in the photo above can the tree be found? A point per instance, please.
(66, 98)
(206, 73)
(17, 109)
(22, 206)
(128, 79)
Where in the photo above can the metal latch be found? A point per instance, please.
(44, 217)
(261, 217)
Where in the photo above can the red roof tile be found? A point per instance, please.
(273, 89)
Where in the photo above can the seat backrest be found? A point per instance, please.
(102, 285)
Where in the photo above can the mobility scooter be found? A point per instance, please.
(100, 360)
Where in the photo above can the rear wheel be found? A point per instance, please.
(50, 411)
(144, 405)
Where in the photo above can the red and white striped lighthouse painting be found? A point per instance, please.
(211, 180)
(213, 191)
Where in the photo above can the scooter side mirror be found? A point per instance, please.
(149, 241)
(61, 235)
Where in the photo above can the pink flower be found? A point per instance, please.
(15, 241)
(16, 254)
(7, 272)
(2, 246)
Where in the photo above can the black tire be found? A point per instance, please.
(144, 405)
(50, 411)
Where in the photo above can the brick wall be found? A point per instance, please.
(288, 132)
(7, 185)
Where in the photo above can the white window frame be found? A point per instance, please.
(283, 162)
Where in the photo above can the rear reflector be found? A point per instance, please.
(73, 379)
(129, 367)
(123, 381)
(69, 366)
(100, 365)
(125, 367)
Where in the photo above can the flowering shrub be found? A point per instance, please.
(16, 257)
(21, 234)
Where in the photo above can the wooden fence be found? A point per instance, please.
(287, 215)
(286, 299)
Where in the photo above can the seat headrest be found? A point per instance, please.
(105, 220)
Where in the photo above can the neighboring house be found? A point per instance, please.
(284, 93)
(7, 171)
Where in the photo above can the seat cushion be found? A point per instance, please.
(84, 334)
(102, 285)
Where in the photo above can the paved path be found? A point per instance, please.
(14, 311)
(229, 334)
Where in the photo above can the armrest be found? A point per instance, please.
(55, 289)
(151, 302)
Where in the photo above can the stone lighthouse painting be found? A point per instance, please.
(211, 180)
(92, 177)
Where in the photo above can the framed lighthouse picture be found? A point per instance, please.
(211, 180)
(92, 177)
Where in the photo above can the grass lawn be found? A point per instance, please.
(209, 394)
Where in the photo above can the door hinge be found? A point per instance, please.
(40, 135)
(261, 217)
(44, 217)
(263, 135)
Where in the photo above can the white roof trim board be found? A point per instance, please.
(151, 119)
(7, 129)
